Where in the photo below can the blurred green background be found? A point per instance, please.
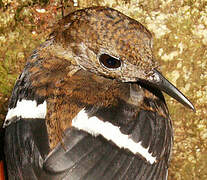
(179, 28)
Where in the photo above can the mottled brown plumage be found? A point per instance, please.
(101, 30)
(95, 102)
(78, 40)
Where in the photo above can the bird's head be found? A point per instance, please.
(106, 42)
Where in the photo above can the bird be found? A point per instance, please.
(89, 104)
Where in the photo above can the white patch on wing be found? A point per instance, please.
(75, 2)
(26, 109)
(96, 127)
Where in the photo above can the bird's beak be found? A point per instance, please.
(160, 82)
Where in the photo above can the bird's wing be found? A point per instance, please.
(110, 149)
(86, 154)
(117, 139)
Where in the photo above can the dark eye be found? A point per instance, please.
(109, 61)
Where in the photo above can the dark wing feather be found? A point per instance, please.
(83, 156)
(104, 161)
(22, 155)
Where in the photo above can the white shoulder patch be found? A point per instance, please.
(26, 109)
(95, 127)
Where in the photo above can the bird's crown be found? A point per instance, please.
(105, 41)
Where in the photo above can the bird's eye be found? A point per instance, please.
(109, 62)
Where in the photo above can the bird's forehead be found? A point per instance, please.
(107, 29)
